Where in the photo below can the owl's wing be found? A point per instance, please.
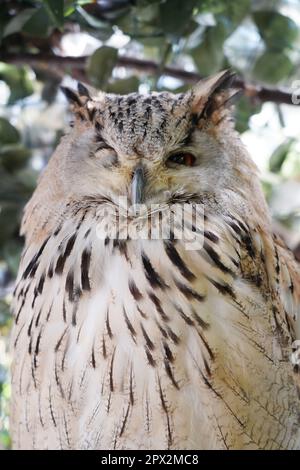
(286, 285)
(267, 264)
(283, 274)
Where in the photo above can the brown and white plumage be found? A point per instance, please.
(131, 344)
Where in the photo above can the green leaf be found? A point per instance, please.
(11, 253)
(278, 31)
(9, 221)
(4, 313)
(26, 180)
(100, 65)
(50, 90)
(94, 22)
(56, 11)
(291, 165)
(267, 188)
(13, 157)
(271, 67)
(235, 11)
(175, 16)
(144, 3)
(40, 24)
(279, 155)
(18, 79)
(209, 55)
(90, 19)
(34, 21)
(16, 24)
(124, 86)
(5, 18)
(8, 133)
(96, 27)
(69, 7)
(17, 186)
(231, 11)
(142, 31)
(147, 13)
(244, 109)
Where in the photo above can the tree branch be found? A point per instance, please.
(76, 67)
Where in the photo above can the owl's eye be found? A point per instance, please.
(104, 146)
(187, 159)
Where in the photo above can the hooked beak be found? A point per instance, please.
(137, 186)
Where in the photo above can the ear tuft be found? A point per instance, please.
(213, 93)
(225, 80)
(71, 96)
(80, 103)
(82, 90)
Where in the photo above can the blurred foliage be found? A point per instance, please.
(259, 39)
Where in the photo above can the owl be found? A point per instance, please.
(130, 342)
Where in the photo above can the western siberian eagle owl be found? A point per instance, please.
(141, 343)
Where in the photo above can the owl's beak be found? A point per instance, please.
(137, 186)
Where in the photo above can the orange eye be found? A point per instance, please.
(187, 159)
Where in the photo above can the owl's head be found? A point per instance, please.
(155, 148)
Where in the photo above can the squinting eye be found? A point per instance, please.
(104, 146)
(187, 159)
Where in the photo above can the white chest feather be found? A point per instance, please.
(142, 344)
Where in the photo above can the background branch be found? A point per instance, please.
(76, 67)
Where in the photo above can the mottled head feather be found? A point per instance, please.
(114, 134)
